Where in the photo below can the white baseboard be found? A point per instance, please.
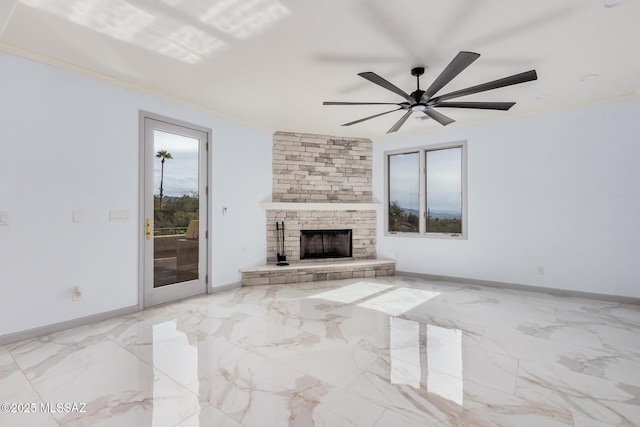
(67, 324)
(226, 287)
(506, 285)
(81, 321)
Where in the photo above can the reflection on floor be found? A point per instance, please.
(390, 352)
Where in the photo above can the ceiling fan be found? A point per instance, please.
(423, 100)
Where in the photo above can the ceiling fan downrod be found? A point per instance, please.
(417, 71)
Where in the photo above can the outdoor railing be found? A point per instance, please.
(169, 231)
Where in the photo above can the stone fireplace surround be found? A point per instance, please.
(320, 182)
(361, 222)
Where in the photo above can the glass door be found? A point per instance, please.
(175, 211)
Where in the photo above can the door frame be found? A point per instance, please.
(142, 177)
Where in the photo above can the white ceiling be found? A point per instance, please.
(271, 63)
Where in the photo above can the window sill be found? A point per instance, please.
(443, 236)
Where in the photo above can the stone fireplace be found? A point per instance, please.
(321, 182)
(321, 188)
(362, 224)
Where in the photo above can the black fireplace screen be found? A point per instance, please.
(325, 244)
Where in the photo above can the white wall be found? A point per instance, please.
(558, 190)
(71, 143)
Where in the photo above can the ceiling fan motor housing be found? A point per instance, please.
(417, 71)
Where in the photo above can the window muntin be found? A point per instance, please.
(440, 172)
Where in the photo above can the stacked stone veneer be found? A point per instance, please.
(321, 168)
(317, 272)
(312, 175)
(361, 222)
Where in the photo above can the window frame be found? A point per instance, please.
(422, 190)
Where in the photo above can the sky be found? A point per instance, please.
(443, 180)
(181, 172)
(404, 180)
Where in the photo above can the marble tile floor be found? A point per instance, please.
(385, 352)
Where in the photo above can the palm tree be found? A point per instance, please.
(164, 155)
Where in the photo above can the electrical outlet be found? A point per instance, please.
(76, 294)
(541, 270)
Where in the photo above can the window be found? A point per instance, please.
(404, 192)
(426, 191)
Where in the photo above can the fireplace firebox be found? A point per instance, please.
(325, 244)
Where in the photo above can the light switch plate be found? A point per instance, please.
(119, 216)
(4, 218)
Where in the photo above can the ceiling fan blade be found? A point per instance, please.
(481, 105)
(374, 78)
(400, 122)
(438, 117)
(455, 67)
(370, 117)
(359, 103)
(527, 76)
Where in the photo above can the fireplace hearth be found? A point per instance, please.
(315, 244)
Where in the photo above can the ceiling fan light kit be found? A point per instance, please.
(423, 101)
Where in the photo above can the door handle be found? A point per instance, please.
(148, 228)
